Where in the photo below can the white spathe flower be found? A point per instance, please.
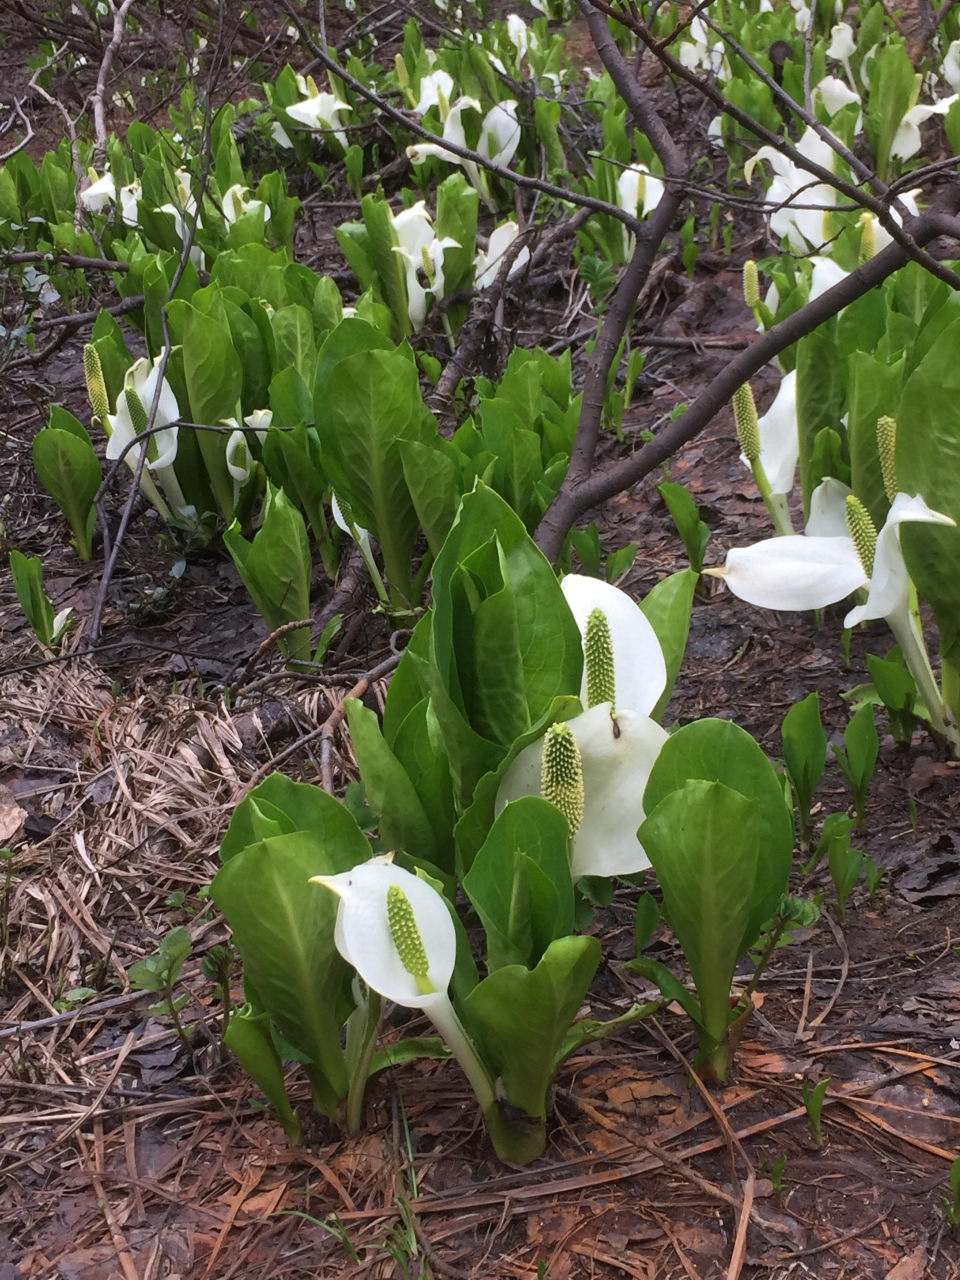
(828, 510)
(418, 979)
(500, 134)
(835, 95)
(826, 273)
(805, 228)
(950, 67)
(617, 750)
(842, 43)
(810, 571)
(321, 113)
(364, 938)
(237, 457)
(639, 190)
(487, 263)
(436, 90)
(414, 228)
(142, 379)
(101, 193)
(639, 669)
(779, 438)
(236, 204)
(280, 135)
(260, 421)
(130, 196)
(881, 235)
(697, 53)
(519, 34)
(453, 131)
(907, 141)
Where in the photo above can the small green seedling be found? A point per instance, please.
(160, 972)
(874, 874)
(73, 998)
(217, 967)
(48, 627)
(896, 689)
(775, 1173)
(835, 826)
(846, 866)
(951, 1203)
(694, 533)
(857, 758)
(813, 1101)
(620, 562)
(805, 755)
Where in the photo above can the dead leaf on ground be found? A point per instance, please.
(912, 1267)
(12, 817)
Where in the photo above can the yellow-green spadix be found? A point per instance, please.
(367, 937)
(640, 672)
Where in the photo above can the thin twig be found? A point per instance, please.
(96, 98)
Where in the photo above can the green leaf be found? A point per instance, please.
(891, 90)
(370, 402)
(248, 1037)
(647, 919)
(435, 484)
(34, 601)
(296, 345)
(70, 470)
(861, 747)
(276, 569)
(293, 806)
(874, 392)
(388, 265)
(706, 845)
(520, 883)
(821, 397)
(521, 1017)
(283, 928)
(403, 821)
(694, 533)
(928, 463)
(719, 751)
(668, 608)
(804, 749)
(214, 378)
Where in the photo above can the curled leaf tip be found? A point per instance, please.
(598, 660)
(862, 531)
(407, 940)
(751, 284)
(561, 774)
(747, 422)
(887, 448)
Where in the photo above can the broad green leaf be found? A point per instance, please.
(296, 345)
(928, 463)
(874, 392)
(668, 608)
(422, 752)
(34, 601)
(214, 377)
(435, 484)
(403, 821)
(694, 533)
(521, 1017)
(821, 397)
(706, 845)
(70, 470)
(388, 265)
(372, 403)
(891, 91)
(720, 751)
(283, 928)
(276, 569)
(804, 748)
(293, 806)
(520, 883)
(248, 1037)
